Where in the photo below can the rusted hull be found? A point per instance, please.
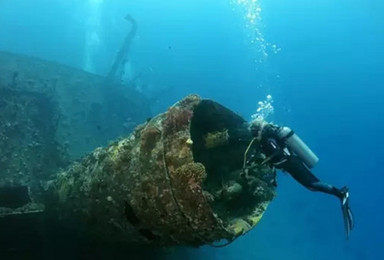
(49, 114)
(159, 185)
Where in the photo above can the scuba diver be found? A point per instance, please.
(284, 150)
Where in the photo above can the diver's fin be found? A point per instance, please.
(347, 213)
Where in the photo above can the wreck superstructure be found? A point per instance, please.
(51, 114)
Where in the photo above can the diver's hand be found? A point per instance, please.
(347, 213)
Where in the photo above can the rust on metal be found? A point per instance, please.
(163, 185)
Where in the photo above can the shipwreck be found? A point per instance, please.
(180, 178)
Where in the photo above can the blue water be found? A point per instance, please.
(322, 61)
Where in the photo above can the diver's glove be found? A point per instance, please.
(347, 213)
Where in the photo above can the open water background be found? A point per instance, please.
(322, 61)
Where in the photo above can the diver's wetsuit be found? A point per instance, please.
(279, 156)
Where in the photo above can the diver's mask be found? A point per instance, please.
(257, 127)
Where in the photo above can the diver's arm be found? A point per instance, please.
(276, 154)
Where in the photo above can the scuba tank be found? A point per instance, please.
(294, 143)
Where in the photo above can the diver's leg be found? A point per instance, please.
(326, 188)
(305, 177)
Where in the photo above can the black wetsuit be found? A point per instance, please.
(282, 158)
